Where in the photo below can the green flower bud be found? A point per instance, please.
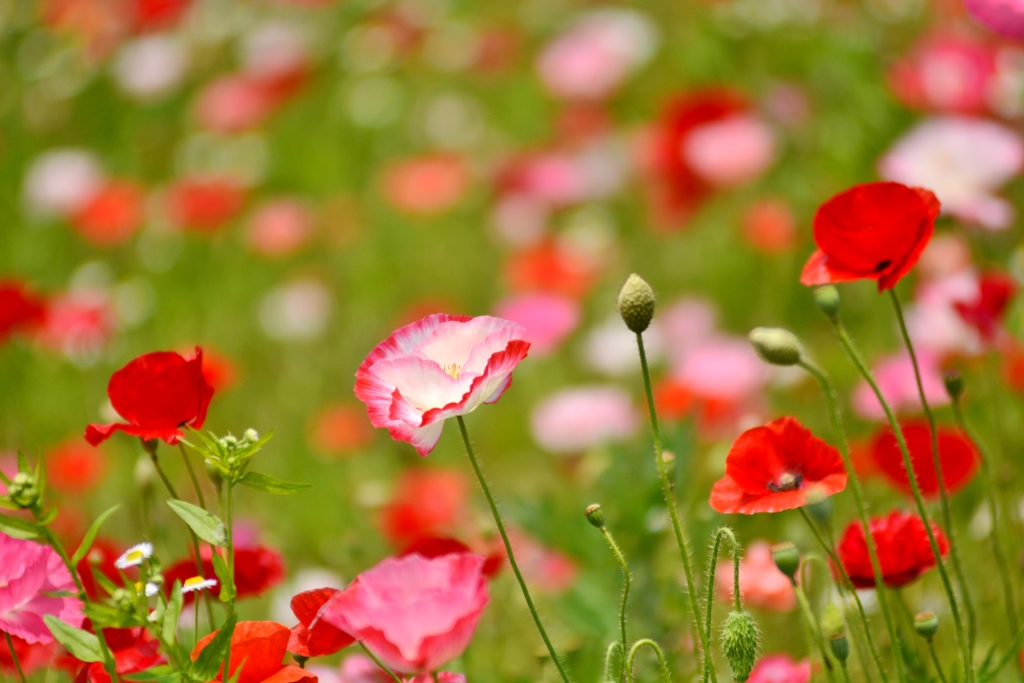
(776, 346)
(636, 303)
(251, 435)
(787, 559)
(124, 600)
(740, 644)
(595, 515)
(840, 647)
(23, 491)
(954, 384)
(214, 474)
(926, 624)
(827, 300)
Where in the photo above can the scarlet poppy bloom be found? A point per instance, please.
(440, 367)
(874, 231)
(134, 650)
(549, 267)
(31, 656)
(426, 503)
(339, 430)
(261, 645)
(995, 292)
(257, 570)
(312, 636)
(73, 467)
(958, 457)
(904, 552)
(204, 205)
(19, 308)
(771, 468)
(112, 215)
(413, 613)
(157, 393)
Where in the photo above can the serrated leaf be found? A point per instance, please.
(227, 582)
(208, 664)
(206, 526)
(268, 484)
(90, 535)
(18, 527)
(82, 644)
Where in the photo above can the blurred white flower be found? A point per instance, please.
(151, 66)
(610, 348)
(295, 311)
(274, 49)
(730, 151)
(61, 181)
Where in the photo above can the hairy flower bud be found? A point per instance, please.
(776, 346)
(740, 643)
(787, 559)
(595, 515)
(926, 624)
(827, 300)
(636, 303)
(954, 384)
(840, 646)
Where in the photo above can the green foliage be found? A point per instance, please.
(82, 644)
(268, 484)
(90, 535)
(205, 525)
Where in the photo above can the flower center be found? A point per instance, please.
(453, 369)
(787, 482)
(134, 556)
(193, 581)
(882, 265)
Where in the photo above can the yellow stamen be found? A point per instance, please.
(453, 370)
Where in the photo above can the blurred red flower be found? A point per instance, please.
(958, 457)
(134, 650)
(31, 657)
(769, 226)
(312, 636)
(426, 503)
(548, 267)
(157, 15)
(20, 309)
(995, 292)
(73, 467)
(203, 205)
(157, 393)
(771, 468)
(340, 429)
(257, 569)
(427, 185)
(113, 214)
(261, 645)
(100, 558)
(873, 231)
(904, 552)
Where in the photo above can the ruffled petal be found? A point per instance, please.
(96, 434)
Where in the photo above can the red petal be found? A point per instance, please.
(161, 391)
(958, 458)
(260, 645)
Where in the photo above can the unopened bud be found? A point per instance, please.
(739, 644)
(229, 442)
(776, 346)
(840, 647)
(926, 624)
(787, 559)
(251, 435)
(827, 300)
(214, 474)
(595, 515)
(636, 303)
(954, 384)
(23, 491)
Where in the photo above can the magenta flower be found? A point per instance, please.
(414, 613)
(440, 367)
(28, 572)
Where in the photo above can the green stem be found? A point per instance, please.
(192, 476)
(625, 592)
(915, 489)
(832, 404)
(670, 501)
(947, 517)
(846, 674)
(230, 533)
(380, 664)
(608, 660)
(508, 550)
(935, 661)
(14, 657)
(710, 584)
(815, 629)
(657, 651)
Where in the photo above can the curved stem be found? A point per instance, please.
(935, 661)
(380, 664)
(815, 629)
(710, 583)
(508, 550)
(673, 512)
(657, 651)
(192, 476)
(832, 403)
(625, 592)
(14, 657)
(608, 660)
(947, 517)
(915, 489)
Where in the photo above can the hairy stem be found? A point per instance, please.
(710, 584)
(625, 593)
(657, 651)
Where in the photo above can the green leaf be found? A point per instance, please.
(18, 527)
(207, 527)
(48, 517)
(90, 535)
(159, 674)
(82, 644)
(172, 614)
(268, 484)
(227, 582)
(208, 664)
(23, 464)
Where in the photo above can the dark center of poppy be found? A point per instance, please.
(882, 265)
(787, 482)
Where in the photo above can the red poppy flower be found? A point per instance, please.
(31, 656)
(73, 467)
(313, 637)
(257, 570)
(957, 455)
(19, 308)
(134, 650)
(874, 231)
(340, 429)
(262, 646)
(771, 468)
(425, 504)
(549, 267)
(995, 292)
(904, 552)
(204, 205)
(158, 394)
(112, 215)
(158, 15)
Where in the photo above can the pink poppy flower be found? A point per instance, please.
(574, 420)
(427, 185)
(895, 377)
(440, 367)
(234, 103)
(1005, 17)
(79, 324)
(947, 73)
(731, 151)
(413, 613)
(30, 571)
(780, 669)
(280, 228)
(547, 319)
(549, 570)
(762, 584)
(723, 368)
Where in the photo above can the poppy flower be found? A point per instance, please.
(112, 215)
(548, 319)
(257, 570)
(762, 583)
(440, 367)
(312, 636)
(30, 577)
(204, 205)
(428, 185)
(874, 231)
(1000, 16)
(771, 468)
(134, 650)
(31, 657)
(780, 669)
(339, 430)
(574, 420)
(425, 503)
(958, 457)
(995, 292)
(413, 613)
(73, 467)
(769, 226)
(261, 645)
(19, 308)
(550, 267)
(157, 393)
(969, 74)
(904, 552)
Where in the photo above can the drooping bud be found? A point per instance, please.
(840, 647)
(595, 515)
(926, 624)
(636, 303)
(787, 559)
(740, 643)
(776, 346)
(954, 384)
(827, 300)
(23, 491)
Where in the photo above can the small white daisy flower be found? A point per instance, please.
(152, 589)
(134, 556)
(197, 583)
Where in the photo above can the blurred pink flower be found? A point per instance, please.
(947, 73)
(1005, 17)
(762, 584)
(723, 368)
(549, 570)
(426, 185)
(280, 227)
(414, 613)
(945, 254)
(234, 103)
(359, 668)
(687, 323)
(963, 161)
(895, 377)
(61, 182)
(150, 67)
(730, 151)
(30, 571)
(933, 321)
(79, 324)
(440, 367)
(610, 346)
(547, 318)
(576, 419)
(780, 669)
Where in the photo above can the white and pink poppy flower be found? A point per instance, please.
(577, 419)
(963, 161)
(439, 367)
